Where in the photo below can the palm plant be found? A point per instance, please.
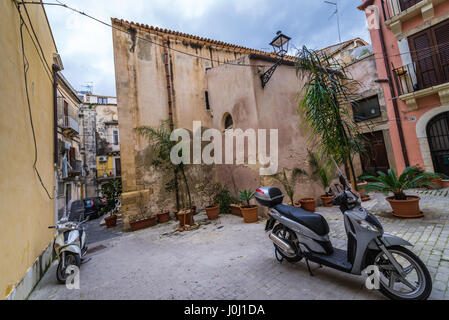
(411, 177)
(159, 139)
(326, 96)
(289, 183)
(246, 195)
(323, 169)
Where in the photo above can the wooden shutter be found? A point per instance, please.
(405, 4)
(72, 153)
(424, 58)
(441, 34)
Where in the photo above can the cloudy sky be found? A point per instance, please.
(86, 46)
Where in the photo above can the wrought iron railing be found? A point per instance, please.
(75, 167)
(424, 73)
(71, 124)
(395, 7)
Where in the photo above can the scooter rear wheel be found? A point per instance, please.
(286, 234)
(70, 259)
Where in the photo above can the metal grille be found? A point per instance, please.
(438, 137)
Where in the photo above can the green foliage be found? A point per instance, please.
(161, 145)
(246, 195)
(223, 199)
(323, 169)
(289, 183)
(112, 191)
(327, 94)
(411, 177)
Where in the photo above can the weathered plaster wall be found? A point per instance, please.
(26, 211)
(146, 78)
(238, 91)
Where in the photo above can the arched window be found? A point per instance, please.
(228, 122)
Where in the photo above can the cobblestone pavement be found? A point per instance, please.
(228, 259)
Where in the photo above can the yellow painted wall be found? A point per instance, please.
(25, 211)
(104, 167)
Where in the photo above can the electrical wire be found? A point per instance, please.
(60, 4)
(25, 71)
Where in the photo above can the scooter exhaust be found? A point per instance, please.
(281, 244)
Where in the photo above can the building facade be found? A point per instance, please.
(409, 40)
(28, 159)
(220, 86)
(71, 184)
(101, 141)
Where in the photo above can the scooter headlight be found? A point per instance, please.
(366, 225)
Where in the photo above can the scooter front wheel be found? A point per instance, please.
(414, 284)
(70, 259)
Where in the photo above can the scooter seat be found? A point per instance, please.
(313, 221)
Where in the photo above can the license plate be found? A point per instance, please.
(270, 224)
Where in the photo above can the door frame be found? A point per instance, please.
(421, 134)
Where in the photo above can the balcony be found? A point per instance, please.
(399, 11)
(70, 126)
(107, 173)
(112, 148)
(75, 168)
(427, 76)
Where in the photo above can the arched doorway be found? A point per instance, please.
(438, 138)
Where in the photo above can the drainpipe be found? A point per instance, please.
(393, 94)
(55, 69)
(168, 76)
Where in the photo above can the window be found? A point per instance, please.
(228, 122)
(206, 94)
(405, 4)
(430, 54)
(366, 109)
(102, 100)
(115, 135)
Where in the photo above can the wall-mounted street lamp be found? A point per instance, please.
(280, 46)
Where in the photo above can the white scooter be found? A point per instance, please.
(69, 246)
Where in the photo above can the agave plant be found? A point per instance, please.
(411, 177)
(289, 183)
(246, 195)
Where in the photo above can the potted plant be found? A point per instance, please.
(219, 199)
(139, 221)
(289, 183)
(224, 199)
(163, 216)
(308, 204)
(236, 208)
(403, 205)
(112, 192)
(324, 171)
(185, 217)
(361, 188)
(250, 212)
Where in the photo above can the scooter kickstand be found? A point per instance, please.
(308, 267)
(83, 261)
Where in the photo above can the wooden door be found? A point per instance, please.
(118, 167)
(375, 158)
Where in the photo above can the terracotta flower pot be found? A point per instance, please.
(187, 217)
(212, 212)
(250, 214)
(406, 208)
(308, 204)
(163, 217)
(297, 204)
(111, 221)
(143, 224)
(326, 200)
(438, 184)
(235, 210)
(445, 183)
(361, 188)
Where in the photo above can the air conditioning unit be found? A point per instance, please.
(103, 159)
